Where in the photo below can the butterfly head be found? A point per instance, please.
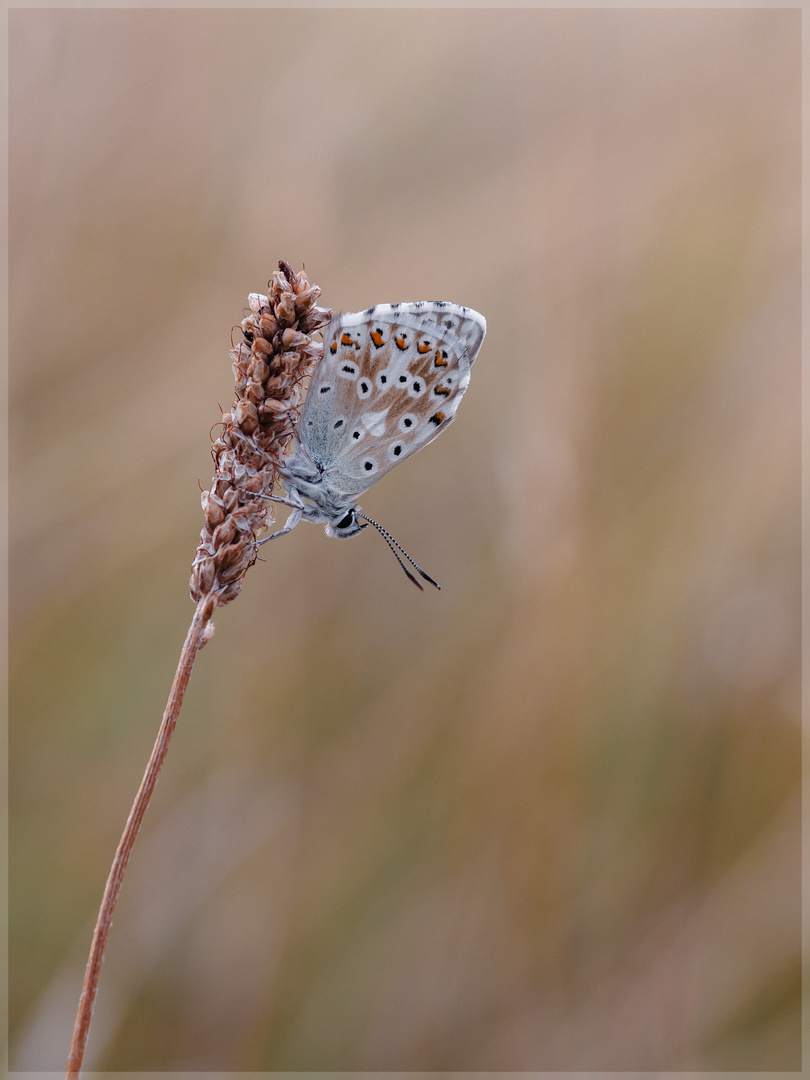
(345, 524)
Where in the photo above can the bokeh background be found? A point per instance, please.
(549, 818)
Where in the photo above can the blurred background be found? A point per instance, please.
(547, 819)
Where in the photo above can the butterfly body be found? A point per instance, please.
(389, 382)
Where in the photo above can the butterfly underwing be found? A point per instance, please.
(390, 381)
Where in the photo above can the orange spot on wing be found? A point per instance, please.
(346, 339)
(443, 390)
(377, 338)
(441, 358)
(333, 347)
(437, 418)
(402, 342)
(424, 347)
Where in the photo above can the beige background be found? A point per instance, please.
(548, 818)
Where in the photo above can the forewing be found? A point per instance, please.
(390, 381)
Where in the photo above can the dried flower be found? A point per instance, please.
(268, 366)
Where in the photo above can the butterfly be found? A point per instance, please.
(389, 382)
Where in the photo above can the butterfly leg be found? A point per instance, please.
(284, 502)
(276, 499)
(292, 521)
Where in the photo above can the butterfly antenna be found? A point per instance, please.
(397, 547)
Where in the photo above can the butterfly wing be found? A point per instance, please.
(390, 381)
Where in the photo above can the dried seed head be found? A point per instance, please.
(268, 368)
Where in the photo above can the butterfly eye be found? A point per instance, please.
(346, 521)
(406, 422)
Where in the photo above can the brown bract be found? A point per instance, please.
(269, 366)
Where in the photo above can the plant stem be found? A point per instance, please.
(197, 636)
